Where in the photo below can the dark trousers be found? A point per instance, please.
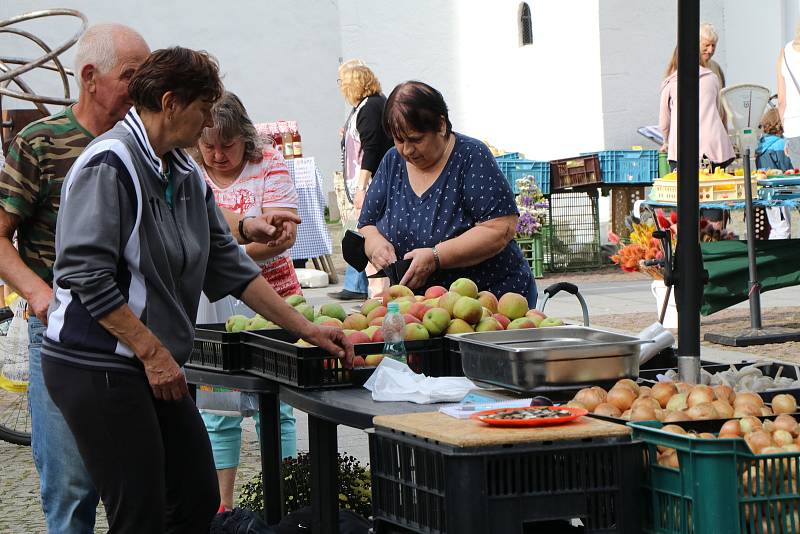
(150, 460)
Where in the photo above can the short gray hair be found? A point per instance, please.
(97, 46)
(708, 32)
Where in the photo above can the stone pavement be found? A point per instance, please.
(616, 300)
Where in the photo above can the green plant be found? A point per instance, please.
(355, 486)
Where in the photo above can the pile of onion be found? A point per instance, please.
(672, 402)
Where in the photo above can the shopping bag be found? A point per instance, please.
(224, 401)
(14, 347)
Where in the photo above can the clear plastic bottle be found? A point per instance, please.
(394, 333)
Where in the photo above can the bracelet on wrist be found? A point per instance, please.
(436, 258)
(245, 239)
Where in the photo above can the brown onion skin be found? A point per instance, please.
(608, 410)
(745, 397)
(700, 394)
(724, 409)
(621, 397)
(786, 422)
(702, 412)
(674, 416)
(588, 398)
(784, 403)
(730, 429)
(724, 393)
(662, 392)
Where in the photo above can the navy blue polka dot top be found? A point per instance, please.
(471, 189)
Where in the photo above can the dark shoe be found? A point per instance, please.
(348, 295)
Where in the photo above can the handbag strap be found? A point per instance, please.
(786, 62)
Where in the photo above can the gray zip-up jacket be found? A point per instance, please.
(118, 241)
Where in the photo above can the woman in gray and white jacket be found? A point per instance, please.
(138, 237)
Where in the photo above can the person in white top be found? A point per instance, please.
(789, 96)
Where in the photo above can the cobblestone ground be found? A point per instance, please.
(21, 512)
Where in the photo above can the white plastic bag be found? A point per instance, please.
(14, 346)
(224, 401)
(395, 381)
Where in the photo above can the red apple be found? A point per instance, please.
(380, 311)
(502, 319)
(418, 310)
(434, 292)
(411, 319)
(358, 337)
(377, 336)
(488, 300)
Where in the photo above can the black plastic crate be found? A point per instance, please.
(427, 487)
(272, 354)
(768, 369)
(214, 348)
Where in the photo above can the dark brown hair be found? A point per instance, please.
(414, 106)
(190, 74)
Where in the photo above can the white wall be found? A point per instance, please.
(753, 37)
(280, 58)
(543, 100)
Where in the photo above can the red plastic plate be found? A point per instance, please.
(545, 421)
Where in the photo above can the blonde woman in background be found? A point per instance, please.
(364, 142)
(708, 45)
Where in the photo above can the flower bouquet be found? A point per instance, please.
(533, 214)
(642, 252)
(533, 208)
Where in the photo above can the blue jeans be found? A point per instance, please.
(69, 499)
(355, 281)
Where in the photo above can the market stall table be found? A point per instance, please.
(270, 438)
(326, 409)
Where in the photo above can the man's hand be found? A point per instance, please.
(39, 301)
(164, 375)
(269, 227)
(422, 266)
(332, 341)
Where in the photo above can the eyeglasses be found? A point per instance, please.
(339, 82)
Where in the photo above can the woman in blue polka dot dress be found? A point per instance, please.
(439, 199)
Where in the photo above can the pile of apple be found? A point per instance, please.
(461, 309)
(672, 402)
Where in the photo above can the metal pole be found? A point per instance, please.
(753, 287)
(689, 282)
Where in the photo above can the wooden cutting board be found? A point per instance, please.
(472, 433)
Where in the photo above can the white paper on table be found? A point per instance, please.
(395, 381)
(464, 411)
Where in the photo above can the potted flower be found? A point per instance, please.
(533, 215)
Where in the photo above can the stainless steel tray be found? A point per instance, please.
(544, 359)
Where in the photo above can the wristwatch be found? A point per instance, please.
(245, 240)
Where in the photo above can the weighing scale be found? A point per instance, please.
(745, 106)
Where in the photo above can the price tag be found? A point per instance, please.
(305, 176)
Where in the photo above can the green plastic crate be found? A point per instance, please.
(533, 252)
(708, 493)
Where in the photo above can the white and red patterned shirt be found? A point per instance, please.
(266, 184)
